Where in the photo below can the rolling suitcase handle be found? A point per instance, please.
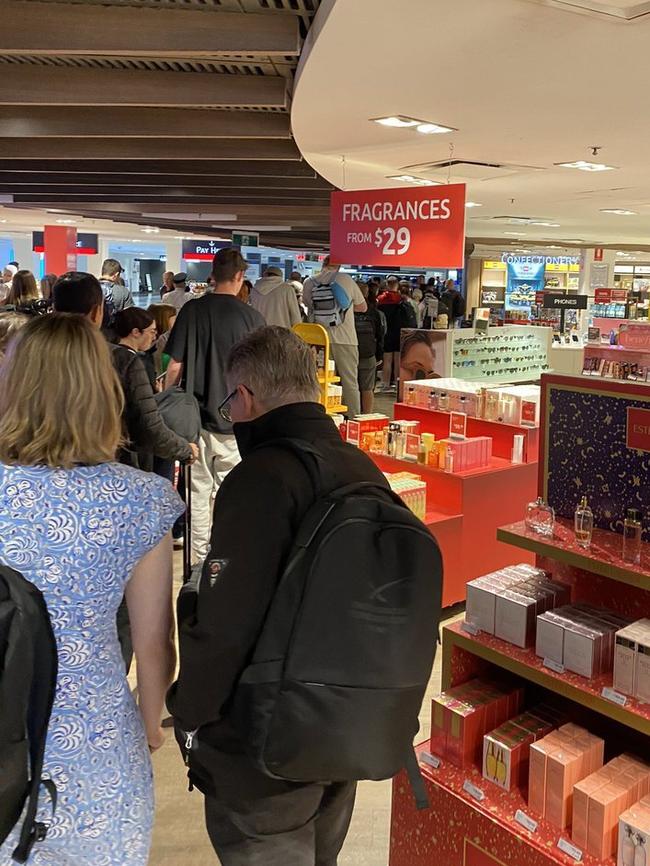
(187, 545)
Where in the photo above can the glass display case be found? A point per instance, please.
(509, 354)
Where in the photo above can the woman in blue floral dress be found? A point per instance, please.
(85, 530)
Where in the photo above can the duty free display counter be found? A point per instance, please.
(473, 822)
(464, 510)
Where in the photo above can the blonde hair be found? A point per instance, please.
(10, 323)
(60, 399)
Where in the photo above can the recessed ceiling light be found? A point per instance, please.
(581, 165)
(402, 121)
(397, 120)
(3, 221)
(433, 129)
(547, 225)
(418, 181)
(516, 234)
(473, 204)
(618, 211)
(150, 230)
(67, 222)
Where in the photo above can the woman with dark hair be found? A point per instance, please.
(164, 317)
(47, 284)
(23, 290)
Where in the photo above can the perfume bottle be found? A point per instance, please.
(632, 536)
(540, 517)
(443, 402)
(434, 399)
(584, 523)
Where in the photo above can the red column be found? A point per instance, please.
(60, 249)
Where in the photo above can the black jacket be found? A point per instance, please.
(143, 426)
(257, 512)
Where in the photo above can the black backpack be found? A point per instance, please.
(366, 336)
(336, 681)
(407, 317)
(28, 669)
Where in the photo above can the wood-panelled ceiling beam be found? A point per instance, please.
(41, 121)
(33, 85)
(47, 182)
(145, 149)
(198, 168)
(78, 29)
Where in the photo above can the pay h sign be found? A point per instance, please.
(396, 227)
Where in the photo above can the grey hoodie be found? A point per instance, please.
(276, 300)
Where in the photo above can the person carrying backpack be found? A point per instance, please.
(370, 333)
(306, 650)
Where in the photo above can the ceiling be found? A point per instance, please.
(527, 84)
(169, 113)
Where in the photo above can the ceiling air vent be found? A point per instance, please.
(466, 169)
(624, 10)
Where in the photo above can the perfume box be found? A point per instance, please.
(564, 767)
(634, 835)
(605, 806)
(582, 649)
(582, 793)
(625, 655)
(643, 664)
(514, 618)
(549, 643)
(506, 750)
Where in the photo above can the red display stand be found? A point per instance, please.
(473, 822)
(464, 510)
(502, 435)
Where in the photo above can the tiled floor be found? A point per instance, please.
(180, 837)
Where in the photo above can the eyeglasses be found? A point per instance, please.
(224, 407)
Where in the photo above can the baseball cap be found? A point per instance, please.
(179, 278)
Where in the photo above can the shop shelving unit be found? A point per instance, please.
(461, 830)
(316, 336)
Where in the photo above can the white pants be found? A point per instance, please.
(218, 454)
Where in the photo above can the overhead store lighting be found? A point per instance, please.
(618, 211)
(150, 230)
(516, 234)
(67, 222)
(433, 129)
(424, 127)
(396, 120)
(581, 165)
(410, 178)
(547, 225)
(473, 204)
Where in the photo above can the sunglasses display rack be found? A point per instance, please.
(509, 354)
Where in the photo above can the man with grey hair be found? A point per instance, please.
(254, 819)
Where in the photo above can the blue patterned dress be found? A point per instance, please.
(77, 534)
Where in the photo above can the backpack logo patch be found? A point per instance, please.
(216, 568)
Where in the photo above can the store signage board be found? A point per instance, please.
(637, 436)
(87, 244)
(457, 425)
(494, 266)
(202, 250)
(354, 432)
(245, 240)
(634, 336)
(513, 259)
(557, 301)
(423, 227)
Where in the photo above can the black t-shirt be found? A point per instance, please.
(218, 322)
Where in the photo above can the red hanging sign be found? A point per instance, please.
(397, 227)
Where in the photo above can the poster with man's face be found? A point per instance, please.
(422, 355)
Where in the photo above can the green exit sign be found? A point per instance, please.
(248, 240)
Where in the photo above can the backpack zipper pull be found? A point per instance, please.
(189, 742)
